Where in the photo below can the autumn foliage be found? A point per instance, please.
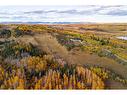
(55, 61)
(81, 78)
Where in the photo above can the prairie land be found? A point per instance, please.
(63, 56)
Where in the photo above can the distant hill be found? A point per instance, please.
(44, 22)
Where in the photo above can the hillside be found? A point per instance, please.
(70, 56)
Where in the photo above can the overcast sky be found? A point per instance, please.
(63, 2)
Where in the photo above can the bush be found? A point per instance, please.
(14, 49)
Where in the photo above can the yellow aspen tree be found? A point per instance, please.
(20, 87)
(94, 84)
(59, 80)
(57, 87)
(65, 81)
(50, 86)
(82, 85)
(70, 81)
(70, 86)
(74, 81)
(79, 85)
(37, 86)
(9, 82)
(60, 86)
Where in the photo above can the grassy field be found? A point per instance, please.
(74, 56)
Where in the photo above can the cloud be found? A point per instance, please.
(114, 10)
(85, 10)
(117, 13)
(63, 13)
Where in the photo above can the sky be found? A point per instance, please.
(84, 13)
(63, 2)
(56, 10)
